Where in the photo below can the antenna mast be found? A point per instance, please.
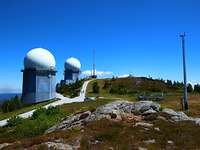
(185, 99)
(94, 66)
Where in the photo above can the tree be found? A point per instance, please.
(169, 82)
(197, 88)
(189, 88)
(95, 87)
(106, 84)
(12, 104)
(122, 90)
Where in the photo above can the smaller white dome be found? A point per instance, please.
(39, 59)
(73, 64)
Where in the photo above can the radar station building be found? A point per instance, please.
(72, 71)
(39, 76)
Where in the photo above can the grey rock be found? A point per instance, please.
(5, 145)
(76, 120)
(143, 106)
(53, 145)
(150, 111)
(144, 124)
(182, 116)
(141, 148)
(176, 116)
(170, 142)
(196, 121)
(150, 141)
(170, 112)
(157, 129)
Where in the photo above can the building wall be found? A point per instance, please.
(29, 86)
(38, 87)
(71, 76)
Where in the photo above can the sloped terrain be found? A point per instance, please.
(119, 125)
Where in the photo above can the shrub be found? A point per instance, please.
(15, 120)
(71, 90)
(122, 90)
(38, 112)
(52, 110)
(45, 112)
(95, 87)
(12, 104)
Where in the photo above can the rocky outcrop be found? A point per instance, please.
(117, 111)
(122, 110)
(4, 145)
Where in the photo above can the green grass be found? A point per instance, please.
(22, 110)
(104, 92)
(33, 127)
(123, 135)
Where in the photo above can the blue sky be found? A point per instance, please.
(139, 37)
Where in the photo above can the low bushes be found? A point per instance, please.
(71, 90)
(95, 87)
(12, 104)
(13, 121)
(41, 120)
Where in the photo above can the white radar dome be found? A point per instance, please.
(39, 59)
(73, 64)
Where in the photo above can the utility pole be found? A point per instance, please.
(185, 99)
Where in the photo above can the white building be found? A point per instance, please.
(39, 74)
(72, 70)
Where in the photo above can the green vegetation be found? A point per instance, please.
(184, 135)
(13, 121)
(43, 119)
(31, 131)
(24, 108)
(197, 88)
(71, 90)
(131, 87)
(12, 104)
(95, 87)
(108, 134)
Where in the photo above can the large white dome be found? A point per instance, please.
(73, 64)
(39, 59)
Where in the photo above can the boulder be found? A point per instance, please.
(150, 111)
(143, 106)
(150, 141)
(53, 145)
(176, 116)
(170, 112)
(144, 124)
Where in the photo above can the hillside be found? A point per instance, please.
(119, 125)
(101, 123)
(134, 86)
(131, 87)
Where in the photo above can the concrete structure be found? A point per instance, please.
(72, 71)
(39, 73)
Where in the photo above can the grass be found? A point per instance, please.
(104, 92)
(183, 134)
(32, 127)
(123, 135)
(174, 102)
(172, 99)
(22, 110)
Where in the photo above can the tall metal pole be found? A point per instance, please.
(93, 73)
(185, 100)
